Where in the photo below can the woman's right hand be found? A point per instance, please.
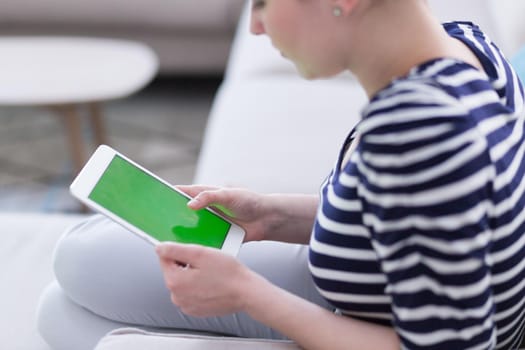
(245, 208)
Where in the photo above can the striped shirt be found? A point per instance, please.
(423, 228)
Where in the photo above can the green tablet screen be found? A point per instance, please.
(155, 208)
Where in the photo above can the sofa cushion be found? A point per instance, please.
(136, 339)
(255, 139)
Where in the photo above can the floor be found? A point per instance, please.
(161, 128)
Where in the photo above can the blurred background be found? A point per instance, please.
(160, 125)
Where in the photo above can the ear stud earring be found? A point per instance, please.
(337, 12)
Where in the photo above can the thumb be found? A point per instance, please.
(186, 254)
(219, 200)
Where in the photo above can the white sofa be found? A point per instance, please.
(267, 126)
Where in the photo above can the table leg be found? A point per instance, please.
(97, 124)
(72, 122)
(73, 125)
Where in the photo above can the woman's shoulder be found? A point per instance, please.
(436, 94)
(442, 87)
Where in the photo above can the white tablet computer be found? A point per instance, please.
(145, 204)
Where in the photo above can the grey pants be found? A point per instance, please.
(107, 278)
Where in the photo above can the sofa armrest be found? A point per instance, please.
(28, 241)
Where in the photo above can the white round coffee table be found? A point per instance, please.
(69, 73)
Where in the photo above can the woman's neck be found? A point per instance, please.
(392, 36)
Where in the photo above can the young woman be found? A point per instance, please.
(418, 232)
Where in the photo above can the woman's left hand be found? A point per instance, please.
(203, 281)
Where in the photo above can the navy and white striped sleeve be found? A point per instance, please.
(425, 190)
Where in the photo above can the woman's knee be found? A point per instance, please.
(80, 252)
(100, 265)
